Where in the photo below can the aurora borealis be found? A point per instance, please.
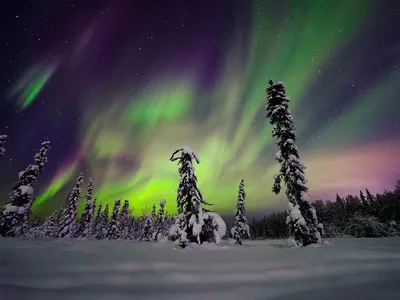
(117, 86)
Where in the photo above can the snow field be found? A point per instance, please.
(86, 269)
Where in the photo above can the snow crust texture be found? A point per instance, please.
(98, 270)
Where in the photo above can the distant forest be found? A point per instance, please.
(364, 215)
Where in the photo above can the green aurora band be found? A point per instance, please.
(128, 144)
(30, 85)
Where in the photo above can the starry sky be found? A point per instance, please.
(118, 85)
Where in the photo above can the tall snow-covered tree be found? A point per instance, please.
(161, 225)
(68, 221)
(147, 229)
(189, 224)
(113, 225)
(101, 223)
(85, 225)
(124, 220)
(3, 141)
(131, 227)
(91, 230)
(302, 218)
(96, 219)
(15, 214)
(241, 225)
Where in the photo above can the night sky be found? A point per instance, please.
(118, 85)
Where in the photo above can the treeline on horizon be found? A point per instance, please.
(363, 215)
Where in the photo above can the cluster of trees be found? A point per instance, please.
(365, 215)
(96, 222)
(17, 220)
(192, 224)
(195, 223)
(272, 226)
(14, 217)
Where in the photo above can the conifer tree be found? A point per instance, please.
(154, 212)
(68, 221)
(161, 211)
(85, 225)
(370, 198)
(363, 199)
(96, 220)
(92, 227)
(241, 225)
(33, 229)
(15, 214)
(124, 220)
(160, 230)
(364, 202)
(342, 207)
(3, 141)
(102, 224)
(50, 226)
(131, 227)
(37, 220)
(147, 230)
(190, 220)
(113, 224)
(302, 218)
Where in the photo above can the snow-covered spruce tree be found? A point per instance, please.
(123, 219)
(113, 225)
(161, 226)
(154, 212)
(147, 229)
(103, 226)
(101, 222)
(189, 224)
(33, 229)
(149, 223)
(3, 141)
(15, 214)
(50, 227)
(241, 225)
(91, 229)
(96, 220)
(85, 225)
(68, 219)
(131, 227)
(302, 219)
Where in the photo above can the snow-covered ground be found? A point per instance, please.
(78, 269)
